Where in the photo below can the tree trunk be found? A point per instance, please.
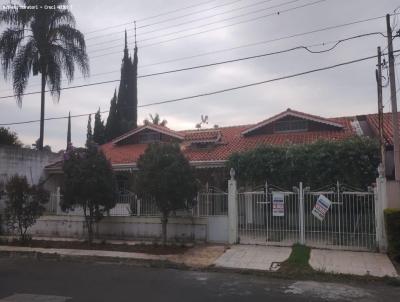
(42, 105)
(89, 224)
(164, 221)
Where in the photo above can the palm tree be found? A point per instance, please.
(41, 41)
(156, 120)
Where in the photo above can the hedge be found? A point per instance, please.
(353, 161)
(392, 221)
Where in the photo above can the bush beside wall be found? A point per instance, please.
(353, 161)
(392, 221)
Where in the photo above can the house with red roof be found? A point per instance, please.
(208, 150)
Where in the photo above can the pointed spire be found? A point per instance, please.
(135, 34)
(126, 53)
(69, 143)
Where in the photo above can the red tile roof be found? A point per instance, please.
(231, 141)
(373, 121)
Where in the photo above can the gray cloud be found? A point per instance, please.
(345, 91)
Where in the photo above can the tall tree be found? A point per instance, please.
(99, 129)
(112, 125)
(69, 142)
(134, 85)
(127, 92)
(41, 41)
(166, 176)
(89, 184)
(89, 134)
(9, 138)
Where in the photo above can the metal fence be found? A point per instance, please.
(257, 223)
(348, 223)
(128, 204)
(211, 204)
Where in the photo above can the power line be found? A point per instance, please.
(160, 22)
(152, 17)
(278, 13)
(307, 48)
(196, 20)
(239, 16)
(256, 43)
(218, 91)
(221, 13)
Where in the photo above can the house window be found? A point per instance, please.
(291, 126)
(149, 137)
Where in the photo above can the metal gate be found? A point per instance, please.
(349, 222)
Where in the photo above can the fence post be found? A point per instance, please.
(138, 206)
(198, 204)
(301, 213)
(58, 201)
(380, 206)
(232, 209)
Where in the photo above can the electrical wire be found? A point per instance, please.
(198, 19)
(307, 48)
(217, 28)
(258, 43)
(154, 16)
(218, 91)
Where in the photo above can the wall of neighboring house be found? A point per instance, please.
(24, 162)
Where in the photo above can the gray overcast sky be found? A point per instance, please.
(348, 90)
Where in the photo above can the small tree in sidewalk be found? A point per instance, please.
(166, 176)
(89, 183)
(24, 204)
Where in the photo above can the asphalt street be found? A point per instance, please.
(77, 281)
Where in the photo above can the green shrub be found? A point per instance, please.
(392, 221)
(353, 161)
(24, 204)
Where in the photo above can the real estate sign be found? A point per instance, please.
(321, 207)
(278, 204)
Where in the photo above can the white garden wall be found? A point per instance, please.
(179, 229)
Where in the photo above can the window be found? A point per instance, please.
(291, 126)
(149, 137)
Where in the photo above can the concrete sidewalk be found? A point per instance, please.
(267, 258)
(255, 257)
(353, 263)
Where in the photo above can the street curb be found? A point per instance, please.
(153, 263)
(93, 259)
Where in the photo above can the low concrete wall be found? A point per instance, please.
(178, 229)
(393, 194)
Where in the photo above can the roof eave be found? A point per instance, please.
(291, 113)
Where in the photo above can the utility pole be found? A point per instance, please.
(392, 79)
(378, 74)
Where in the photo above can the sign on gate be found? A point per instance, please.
(278, 204)
(321, 207)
